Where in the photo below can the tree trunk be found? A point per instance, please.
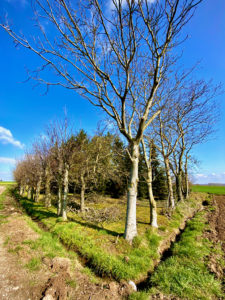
(171, 202)
(38, 189)
(32, 194)
(131, 226)
(82, 193)
(65, 193)
(21, 190)
(47, 188)
(186, 181)
(179, 187)
(29, 192)
(152, 202)
(59, 204)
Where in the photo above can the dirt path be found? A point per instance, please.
(2, 188)
(14, 280)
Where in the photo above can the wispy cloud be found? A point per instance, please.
(6, 137)
(209, 178)
(7, 160)
(6, 175)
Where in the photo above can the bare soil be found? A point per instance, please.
(52, 280)
(216, 234)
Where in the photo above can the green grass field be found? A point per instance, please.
(7, 182)
(220, 190)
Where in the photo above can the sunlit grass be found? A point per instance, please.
(102, 246)
(220, 190)
(185, 274)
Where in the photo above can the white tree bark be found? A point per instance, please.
(131, 224)
(29, 192)
(59, 204)
(65, 193)
(21, 190)
(171, 202)
(179, 187)
(82, 193)
(152, 202)
(47, 188)
(186, 180)
(38, 188)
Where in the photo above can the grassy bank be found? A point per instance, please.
(102, 247)
(219, 190)
(185, 274)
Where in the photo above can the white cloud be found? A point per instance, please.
(7, 160)
(6, 175)
(200, 175)
(209, 178)
(6, 137)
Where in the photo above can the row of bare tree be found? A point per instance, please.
(60, 158)
(122, 56)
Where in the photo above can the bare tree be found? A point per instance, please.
(116, 59)
(91, 162)
(61, 149)
(149, 179)
(19, 174)
(194, 117)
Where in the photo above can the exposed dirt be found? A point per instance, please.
(2, 188)
(219, 201)
(53, 280)
(216, 234)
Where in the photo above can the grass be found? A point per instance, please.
(7, 182)
(34, 264)
(185, 274)
(49, 244)
(2, 199)
(219, 190)
(104, 249)
(46, 245)
(71, 283)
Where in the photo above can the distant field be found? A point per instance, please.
(7, 182)
(209, 189)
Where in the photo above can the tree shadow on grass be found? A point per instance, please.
(35, 210)
(144, 223)
(96, 227)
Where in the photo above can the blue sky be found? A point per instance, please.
(24, 111)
